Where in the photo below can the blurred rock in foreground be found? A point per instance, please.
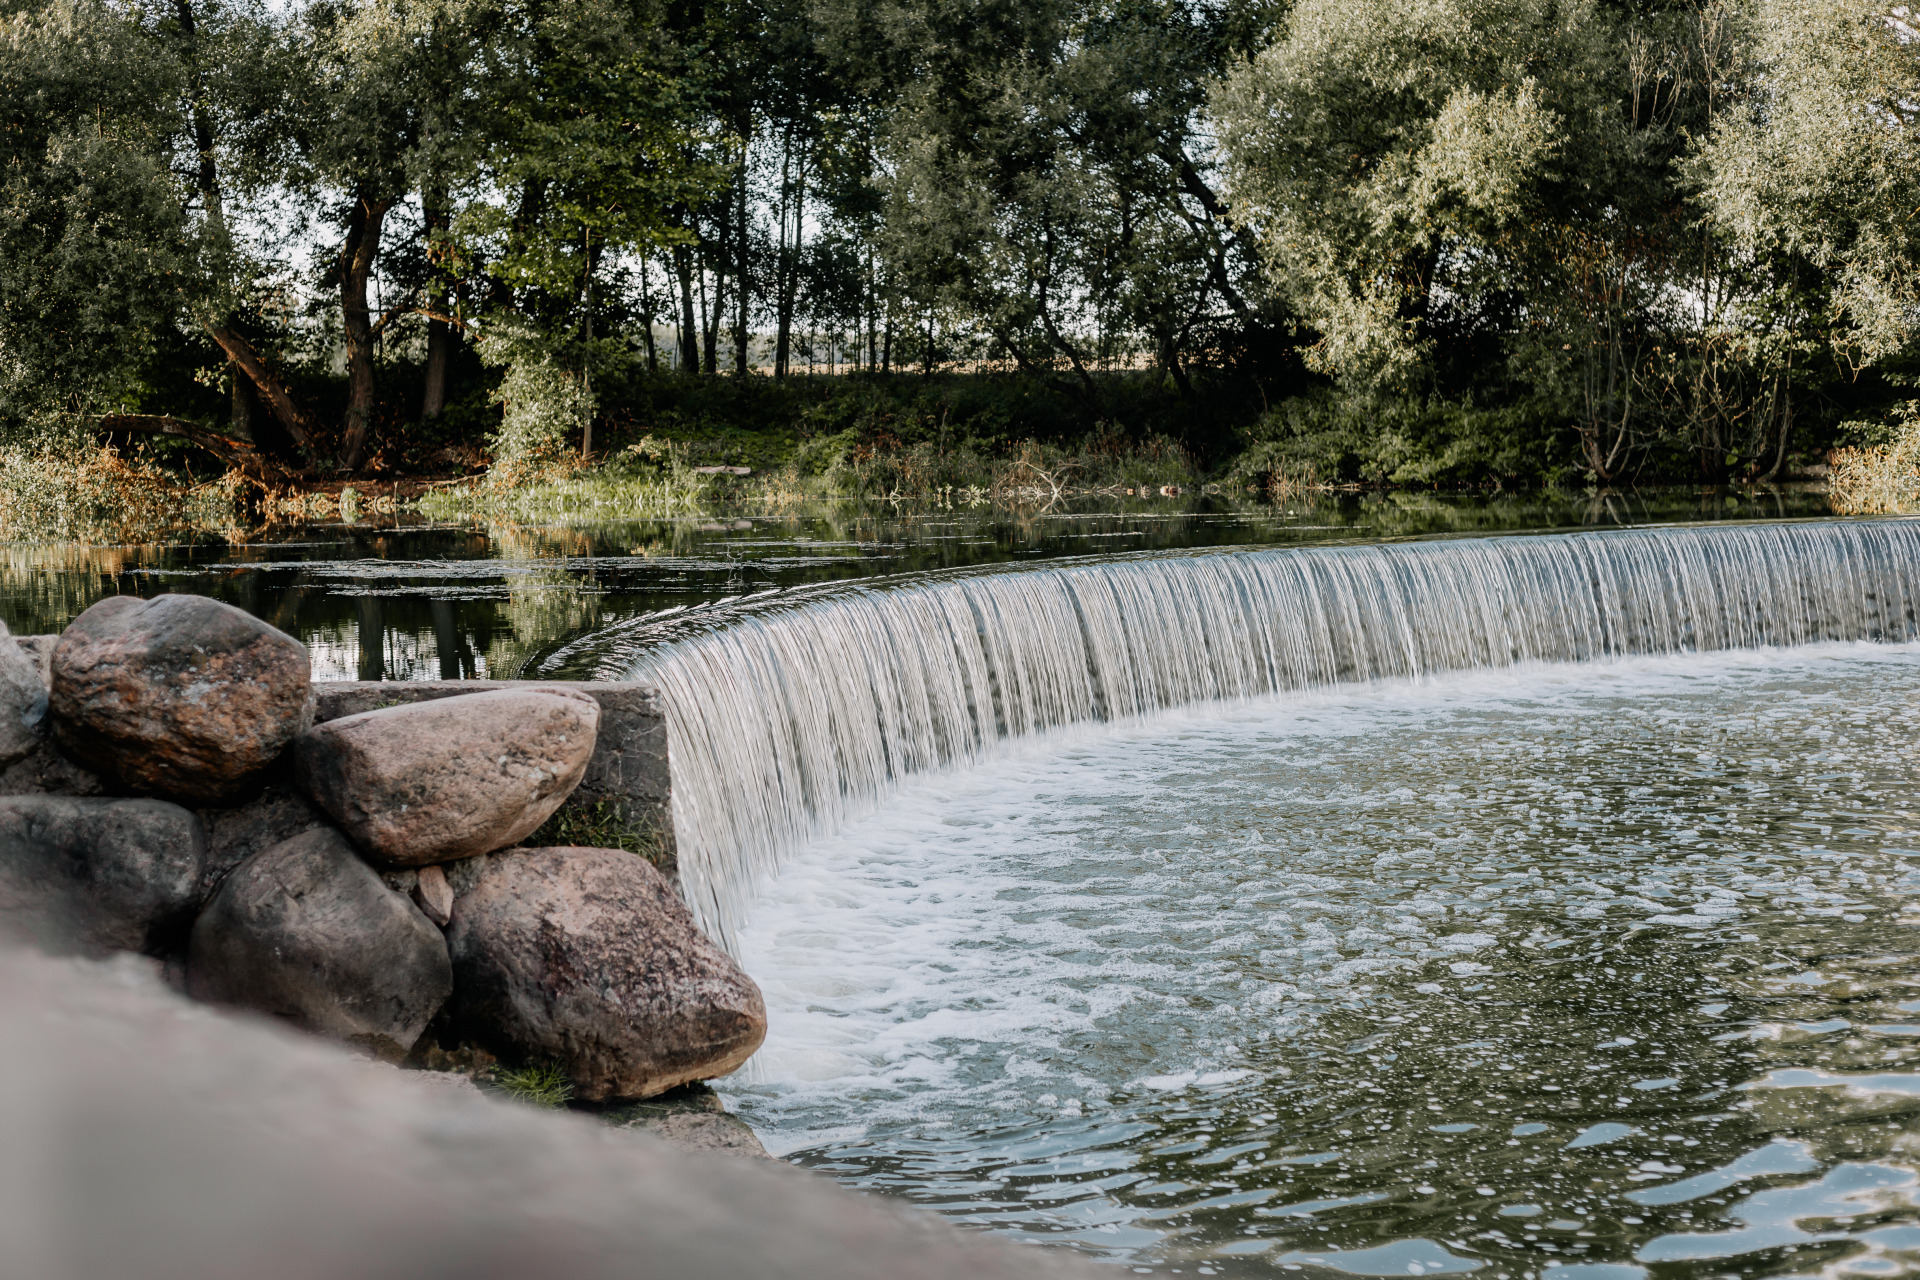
(142, 1134)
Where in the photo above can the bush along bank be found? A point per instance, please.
(350, 858)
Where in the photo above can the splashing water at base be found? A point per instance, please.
(1586, 967)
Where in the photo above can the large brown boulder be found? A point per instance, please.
(96, 875)
(437, 781)
(179, 696)
(306, 931)
(23, 702)
(586, 958)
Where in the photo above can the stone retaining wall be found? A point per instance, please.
(433, 870)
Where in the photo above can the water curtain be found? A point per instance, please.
(788, 722)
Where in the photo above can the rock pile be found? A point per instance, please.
(164, 789)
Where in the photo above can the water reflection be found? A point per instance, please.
(1580, 972)
(417, 602)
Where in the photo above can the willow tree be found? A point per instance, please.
(1496, 177)
(1821, 165)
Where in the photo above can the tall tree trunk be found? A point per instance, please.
(873, 312)
(240, 416)
(586, 359)
(782, 316)
(433, 396)
(689, 329)
(357, 257)
(711, 332)
(742, 248)
(646, 317)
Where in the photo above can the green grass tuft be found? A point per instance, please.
(543, 1085)
(607, 824)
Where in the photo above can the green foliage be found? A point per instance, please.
(1479, 242)
(606, 824)
(542, 1084)
(1398, 440)
(93, 241)
(542, 404)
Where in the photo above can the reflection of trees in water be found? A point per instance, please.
(500, 601)
(42, 582)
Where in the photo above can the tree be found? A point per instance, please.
(590, 153)
(1821, 164)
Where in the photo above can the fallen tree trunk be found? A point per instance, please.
(246, 360)
(238, 454)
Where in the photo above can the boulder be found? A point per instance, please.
(306, 931)
(40, 649)
(586, 958)
(233, 835)
(48, 773)
(180, 695)
(95, 875)
(437, 781)
(23, 702)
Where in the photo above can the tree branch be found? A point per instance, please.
(237, 454)
(247, 360)
(400, 313)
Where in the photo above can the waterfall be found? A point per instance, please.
(791, 720)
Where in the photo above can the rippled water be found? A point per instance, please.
(1605, 966)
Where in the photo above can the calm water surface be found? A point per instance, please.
(422, 602)
(1605, 968)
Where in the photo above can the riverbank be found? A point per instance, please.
(103, 497)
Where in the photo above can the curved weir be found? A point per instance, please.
(788, 722)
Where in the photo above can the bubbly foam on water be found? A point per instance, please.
(1342, 978)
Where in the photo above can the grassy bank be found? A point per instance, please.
(671, 447)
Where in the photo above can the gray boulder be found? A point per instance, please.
(48, 773)
(180, 695)
(40, 649)
(150, 1138)
(23, 702)
(586, 958)
(437, 781)
(233, 835)
(306, 931)
(95, 875)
